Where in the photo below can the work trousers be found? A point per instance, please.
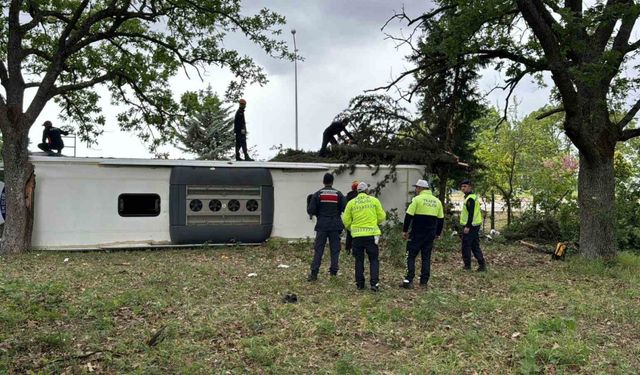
(318, 250)
(241, 143)
(422, 245)
(471, 244)
(362, 245)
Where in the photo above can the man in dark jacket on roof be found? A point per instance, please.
(333, 130)
(52, 139)
(240, 128)
(326, 205)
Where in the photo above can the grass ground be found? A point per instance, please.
(96, 312)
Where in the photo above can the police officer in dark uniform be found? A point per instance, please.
(470, 220)
(326, 205)
(52, 139)
(240, 128)
(425, 217)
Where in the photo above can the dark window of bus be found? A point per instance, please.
(139, 205)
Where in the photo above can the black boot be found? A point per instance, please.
(247, 158)
(406, 284)
(312, 277)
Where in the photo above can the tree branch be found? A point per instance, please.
(430, 15)
(633, 46)
(628, 134)
(574, 5)
(36, 52)
(395, 81)
(620, 42)
(549, 42)
(629, 116)
(550, 113)
(4, 75)
(505, 54)
(605, 28)
(81, 85)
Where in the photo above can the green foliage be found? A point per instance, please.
(217, 317)
(586, 48)
(527, 155)
(534, 226)
(393, 247)
(260, 350)
(207, 127)
(552, 342)
(628, 196)
(69, 48)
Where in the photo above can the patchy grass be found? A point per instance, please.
(97, 312)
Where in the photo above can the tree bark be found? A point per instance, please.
(493, 210)
(20, 187)
(596, 197)
(509, 214)
(443, 178)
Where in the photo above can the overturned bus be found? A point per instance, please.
(100, 203)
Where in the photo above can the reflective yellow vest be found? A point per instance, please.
(426, 204)
(362, 216)
(477, 216)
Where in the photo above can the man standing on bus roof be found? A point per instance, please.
(470, 219)
(326, 205)
(362, 217)
(240, 128)
(422, 224)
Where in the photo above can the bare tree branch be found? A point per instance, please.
(432, 14)
(395, 81)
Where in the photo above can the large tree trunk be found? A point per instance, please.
(20, 187)
(443, 178)
(596, 197)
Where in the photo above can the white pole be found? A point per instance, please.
(295, 65)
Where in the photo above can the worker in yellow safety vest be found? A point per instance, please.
(423, 223)
(470, 220)
(361, 217)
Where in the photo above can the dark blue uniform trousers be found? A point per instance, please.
(471, 244)
(368, 245)
(419, 244)
(318, 247)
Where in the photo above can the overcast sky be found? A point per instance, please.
(345, 53)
